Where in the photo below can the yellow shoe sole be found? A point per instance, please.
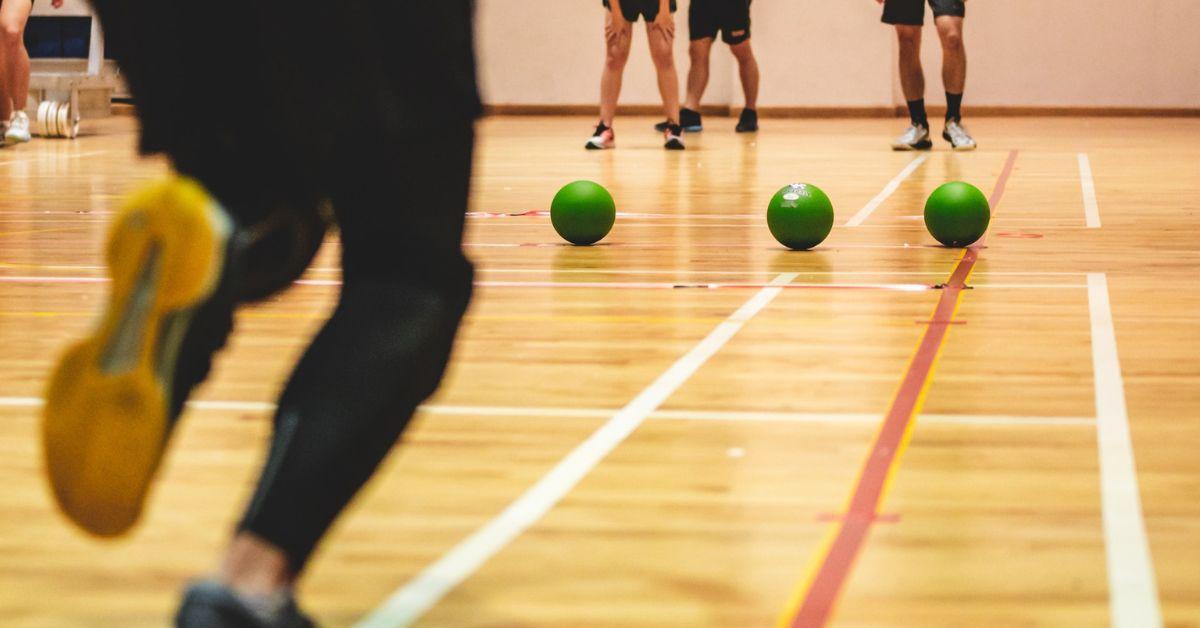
(106, 421)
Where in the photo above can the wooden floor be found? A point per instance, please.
(755, 485)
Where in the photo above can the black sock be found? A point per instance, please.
(953, 107)
(916, 111)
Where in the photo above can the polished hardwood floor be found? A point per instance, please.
(759, 388)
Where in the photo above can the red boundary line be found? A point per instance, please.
(826, 586)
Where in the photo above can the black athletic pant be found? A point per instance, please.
(385, 348)
(406, 284)
(369, 106)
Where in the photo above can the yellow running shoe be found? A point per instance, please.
(114, 397)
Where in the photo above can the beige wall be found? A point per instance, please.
(834, 53)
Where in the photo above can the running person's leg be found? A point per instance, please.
(381, 354)
(908, 16)
(14, 70)
(948, 16)
(400, 201)
(111, 407)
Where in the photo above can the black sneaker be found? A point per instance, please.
(748, 123)
(210, 604)
(114, 397)
(674, 137)
(689, 119)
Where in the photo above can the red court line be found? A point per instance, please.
(636, 285)
(826, 585)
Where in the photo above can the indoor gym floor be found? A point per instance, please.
(755, 402)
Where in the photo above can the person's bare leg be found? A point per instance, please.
(954, 53)
(14, 60)
(954, 77)
(662, 52)
(20, 78)
(617, 54)
(912, 82)
(700, 51)
(748, 69)
(912, 75)
(254, 567)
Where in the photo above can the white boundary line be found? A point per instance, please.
(47, 157)
(750, 416)
(1132, 591)
(617, 285)
(1091, 208)
(802, 273)
(889, 189)
(420, 594)
(643, 271)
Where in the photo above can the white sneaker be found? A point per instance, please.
(18, 129)
(916, 137)
(957, 136)
(604, 138)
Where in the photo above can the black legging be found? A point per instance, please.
(384, 349)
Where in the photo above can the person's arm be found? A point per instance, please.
(617, 25)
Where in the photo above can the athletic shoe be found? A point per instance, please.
(3, 133)
(674, 137)
(209, 604)
(18, 129)
(958, 137)
(603, 138)
(689, 119)
(114, 397)
(748, 123)
(915, 138)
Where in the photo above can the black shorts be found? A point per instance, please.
(730, 17)
(632, 9)
(912, 12)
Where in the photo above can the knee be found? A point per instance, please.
(952, 39)
(742, 52)
(10, 34)
(908, 36)
(618, 55)
(663, 59)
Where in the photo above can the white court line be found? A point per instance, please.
(1132, 591)
(1091, 208)
(645, 271)
(52, 157)
(662, 415)
(888, 190)
(427, 588)
(672, 271)
(614, 285)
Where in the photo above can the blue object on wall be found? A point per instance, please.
(58, 37)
